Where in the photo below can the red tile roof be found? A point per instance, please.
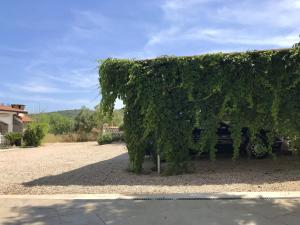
(11, 109)
(25, 118)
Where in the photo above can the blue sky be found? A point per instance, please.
(49, 48)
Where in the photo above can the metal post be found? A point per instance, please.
(158, 164)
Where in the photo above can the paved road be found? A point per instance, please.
(154, 212)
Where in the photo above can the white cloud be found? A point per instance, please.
(87, 25)
(221, 36)
(44, 99)
(80, 79)
(87, 18)
(261, 14)
(246, 22)
(36, 87)
(290, 3)
(181, 11)
(164, 36)
(279, 13)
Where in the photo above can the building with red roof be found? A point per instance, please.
(13, 118)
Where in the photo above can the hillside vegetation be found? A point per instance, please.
(68, 121)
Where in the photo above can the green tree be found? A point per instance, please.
(60, 124)
(115, 120)
(84, 121)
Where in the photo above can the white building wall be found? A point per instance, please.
(7, 117)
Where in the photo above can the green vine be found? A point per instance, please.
(166, 98)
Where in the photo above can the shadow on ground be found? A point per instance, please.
(223, 171)
(163, 212)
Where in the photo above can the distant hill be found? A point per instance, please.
(72, 113)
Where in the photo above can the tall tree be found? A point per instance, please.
(84, 121)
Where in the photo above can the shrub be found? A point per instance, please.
(118, 136)
(14, 138)
(34, 134)
(121, 127)
(105, 139)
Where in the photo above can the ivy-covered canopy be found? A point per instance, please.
(167, 97)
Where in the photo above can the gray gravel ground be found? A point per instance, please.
(66, 168)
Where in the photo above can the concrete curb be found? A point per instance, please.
(195, 196)
(7, 149)
(17, 149)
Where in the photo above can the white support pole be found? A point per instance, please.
(158, 164)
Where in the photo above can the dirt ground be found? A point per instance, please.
(66, 168)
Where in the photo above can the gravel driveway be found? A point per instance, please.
(89, 168)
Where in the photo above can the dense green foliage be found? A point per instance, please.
(34, 134)
(62, 122)
(58, 124)
(84, 121)
(14, 138)
(107, 138)
(115, 120)
(167, 97)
